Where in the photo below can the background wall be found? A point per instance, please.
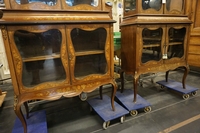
(117, 12)
(4, 71)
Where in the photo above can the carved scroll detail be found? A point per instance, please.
(4, 32)
(15, 101)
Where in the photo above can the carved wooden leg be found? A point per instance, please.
(166, 76)
(18, 112)
(122, 80)
(184, 76)
(114, 90)
(100, 92)
(135, 81)
(27, 109)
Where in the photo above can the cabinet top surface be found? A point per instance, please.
(17, 16)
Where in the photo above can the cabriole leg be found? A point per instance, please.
(184, 76)
(114, 90)
(135, 81)
(18, 112)
(166, 76)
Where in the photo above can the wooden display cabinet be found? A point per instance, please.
(153, 43)
(58, 52)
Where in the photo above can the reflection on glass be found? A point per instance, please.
(155, 4)
(174, 5)
(40, 54)
(90, 64)
(130, 5)
(176, 42)
(88, 40)
(94, 3)
(47, 2)
(151, 44)
(89, 47)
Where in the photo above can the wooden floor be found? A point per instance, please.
(2, 97)
(170, 113)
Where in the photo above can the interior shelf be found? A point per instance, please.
(44, 57)
(81, 53)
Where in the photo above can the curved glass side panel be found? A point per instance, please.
(130, 5)
(89, 51)
(40, 53)
(177, 5)
(151, 44)
(176, 42)
(47, 2)
(154, 4)
(94, 3)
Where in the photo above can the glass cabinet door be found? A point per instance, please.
(47, 2)
(152, 39)
(143, 7)
(33, 4)
(175, 6)
(129, 5)
(89, 51)
(82, 4)
(79, 2)
(176, 38)
(41, 56)
(152, 4)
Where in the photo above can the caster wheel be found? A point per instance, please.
(185, 96)
(83, 96)
(133, 112)
(162, 87)
(147, 109)
(194, 93)
(106, 124)
(122, 119)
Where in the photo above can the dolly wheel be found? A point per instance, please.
(133, 112)
(194, 93)
(162, 87)
(106, 124)
(185, 96)
(83, 96)
(122, 119)
(147, 109)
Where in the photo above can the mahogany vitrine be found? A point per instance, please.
(57, 48)
(154, 40)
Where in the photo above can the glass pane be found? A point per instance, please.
(174, 5)
(90, 54)
(88, 40)
(176, 42)
(151, 44)
(155, 4)
(90, 64)
(130, 5)
(40, 54)
(48, 2)
(94, 3)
